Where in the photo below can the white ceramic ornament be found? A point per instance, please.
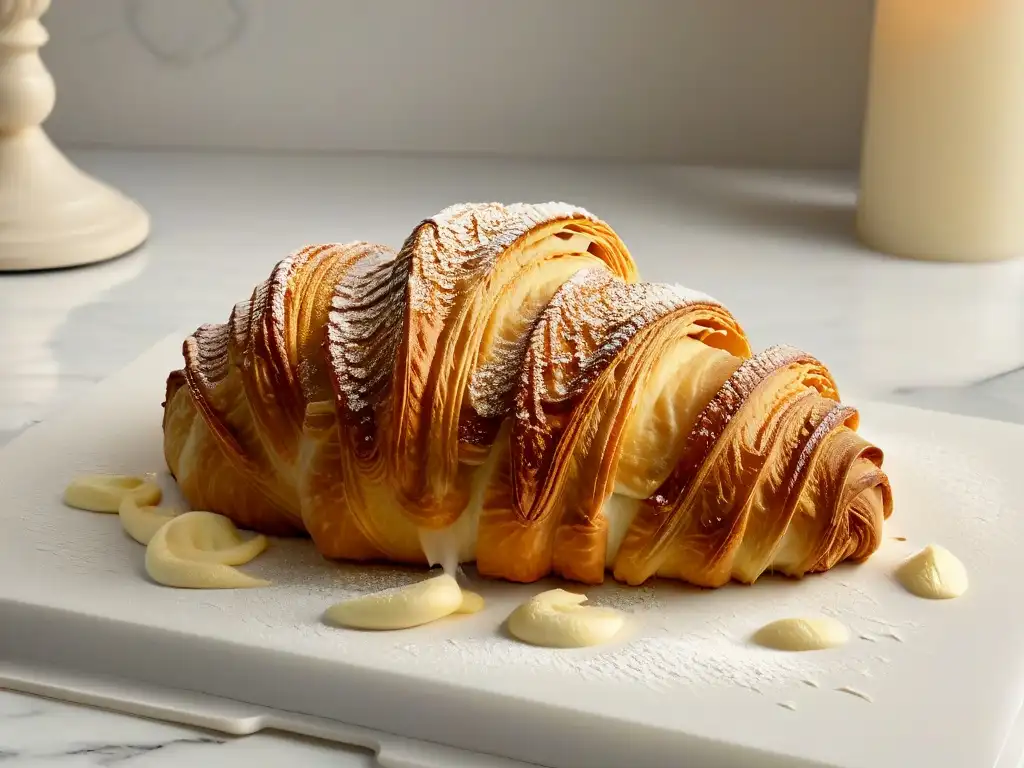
(51, 213)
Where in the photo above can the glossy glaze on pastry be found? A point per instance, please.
(504, 388)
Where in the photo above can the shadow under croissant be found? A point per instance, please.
(293, 561)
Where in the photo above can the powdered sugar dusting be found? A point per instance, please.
(456, 266)
(587, 324)
(654, 662)
(452, 253)
(630, 599)
(293, 563)
(365, 324)
(206, 356)
(588, 321)
(462, 243)
(691, 295)
(836, 415)
(491, 384)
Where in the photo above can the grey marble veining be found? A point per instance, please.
(777, 248)
(39, 733)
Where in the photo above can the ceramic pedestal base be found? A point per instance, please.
(54, 215)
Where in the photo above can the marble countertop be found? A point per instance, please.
(777, 248)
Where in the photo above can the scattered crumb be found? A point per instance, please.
(854, 692)
(788, 705)
(812, 683)
(899, 538)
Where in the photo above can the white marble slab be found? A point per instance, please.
(38, 733)
(776, 247)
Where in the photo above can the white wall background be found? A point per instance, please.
(762, 82)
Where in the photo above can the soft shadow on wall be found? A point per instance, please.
(773, 82)
(819, 207)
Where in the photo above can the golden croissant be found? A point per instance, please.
(503, 390)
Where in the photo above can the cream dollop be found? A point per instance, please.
(558, 619)
(934, 573)
(401, 608)
(104, 493)
(814, 634)
(471, 602)
(142, 523)
(196, 550)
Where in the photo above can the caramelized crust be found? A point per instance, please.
(502, 390)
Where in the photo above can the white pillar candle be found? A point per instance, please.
(942, 169)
